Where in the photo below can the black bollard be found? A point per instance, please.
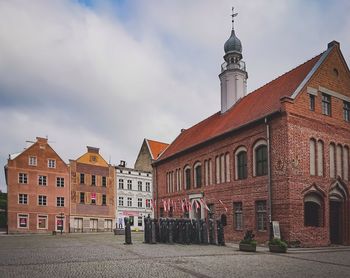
(204, 233)
(153, 237)
(199, 231)
(193, 231)
(211, 231)
(176, 230)
(127, 231)
(146, 230)
(187, 232)
(220, 233)
(181, 232)
(156, 222)
(171, 231)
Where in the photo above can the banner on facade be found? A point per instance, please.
(276, 229)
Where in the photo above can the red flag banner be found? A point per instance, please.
(164, 206)
(197, 205)
(223, 205)
(204, 204)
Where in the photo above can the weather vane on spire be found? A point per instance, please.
(233, 17)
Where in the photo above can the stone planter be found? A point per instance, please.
(118, 231)
(247, 247)
(277, 249)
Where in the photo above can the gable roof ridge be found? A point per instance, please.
(149, 147)
(284, 74)
(323, 55)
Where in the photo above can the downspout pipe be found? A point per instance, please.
(269, 186)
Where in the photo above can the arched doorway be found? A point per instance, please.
(337, 198)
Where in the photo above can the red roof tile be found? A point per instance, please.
(156, 148)
(253, 106)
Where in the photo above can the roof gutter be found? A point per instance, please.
(155, 163)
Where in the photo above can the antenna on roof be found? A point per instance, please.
(233, 15)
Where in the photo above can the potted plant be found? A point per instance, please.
(277, 245)
(248, 243)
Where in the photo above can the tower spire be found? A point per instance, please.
(233, 15)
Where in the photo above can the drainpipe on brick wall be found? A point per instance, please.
(269, 186)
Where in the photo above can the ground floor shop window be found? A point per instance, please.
(131, 220)
(42, 221)
(23, 220)
(139, 221)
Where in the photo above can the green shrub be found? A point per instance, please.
(248, 238)
(278, 242)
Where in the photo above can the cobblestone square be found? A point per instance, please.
(105, 255)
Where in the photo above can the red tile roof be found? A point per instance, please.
(156, 148)
(253, 106)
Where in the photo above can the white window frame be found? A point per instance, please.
(196, 165)
(129, 202)
(261, 142)
(51, 163)
(129, 182)
(187, 167)
(41, 200)
(59, 203)
(23, 177)
(26, 199)
(42, 180)
(120, 201)
(239, 149)
(139, 202)
(148, 186)
(32, 160)
(59, 182)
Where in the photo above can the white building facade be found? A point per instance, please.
(134, 195)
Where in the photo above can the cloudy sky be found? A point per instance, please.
(110, 73)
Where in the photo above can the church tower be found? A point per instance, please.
(233, 76)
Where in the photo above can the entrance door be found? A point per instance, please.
(78, 224)
(93, 225)
(335, 221)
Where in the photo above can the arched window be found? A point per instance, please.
(217, 169)
(320, 158)
(227, 167)
(222, 168)
(332, 160)
(312, 157)
(313, 210)
(241, 163)
(197, 175)
(187, 176)
(260, 158)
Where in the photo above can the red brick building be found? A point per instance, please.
(92, 193)
(279, 153)
(38, 190)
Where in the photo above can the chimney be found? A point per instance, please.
(92, 149)
(333, 43)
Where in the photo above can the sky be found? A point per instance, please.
(110, 73)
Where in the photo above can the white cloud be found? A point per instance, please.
(85, 76)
